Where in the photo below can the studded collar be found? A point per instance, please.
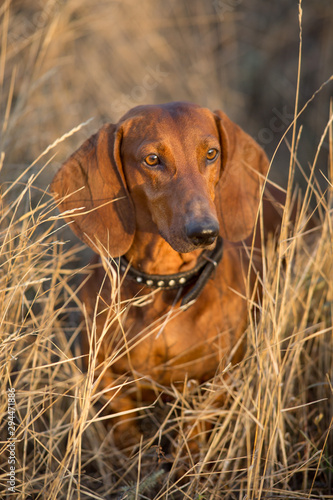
(198, 276)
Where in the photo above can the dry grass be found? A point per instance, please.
(272, 436)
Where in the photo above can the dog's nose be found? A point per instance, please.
(202, 233)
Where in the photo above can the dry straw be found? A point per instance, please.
(270, 438)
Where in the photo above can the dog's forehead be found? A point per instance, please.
(177, 117)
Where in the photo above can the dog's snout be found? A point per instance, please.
(202, 233)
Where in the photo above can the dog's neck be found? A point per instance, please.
(151, 254)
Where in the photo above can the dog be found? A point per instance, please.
(169, 197)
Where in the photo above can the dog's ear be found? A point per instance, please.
(244, 167)
(90, 185)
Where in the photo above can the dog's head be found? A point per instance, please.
(176, 169)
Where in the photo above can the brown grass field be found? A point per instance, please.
(63, 63)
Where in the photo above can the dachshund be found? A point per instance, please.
(168, 198)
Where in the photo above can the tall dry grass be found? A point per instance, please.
(272, 435)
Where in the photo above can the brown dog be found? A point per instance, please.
(169, 189)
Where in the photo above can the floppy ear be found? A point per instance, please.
(244, 167)
(91, 183)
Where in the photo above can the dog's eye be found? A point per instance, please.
(212, 154)
(152, 160)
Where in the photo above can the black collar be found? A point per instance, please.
(198, 276)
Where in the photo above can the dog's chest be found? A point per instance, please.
(157, 339)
